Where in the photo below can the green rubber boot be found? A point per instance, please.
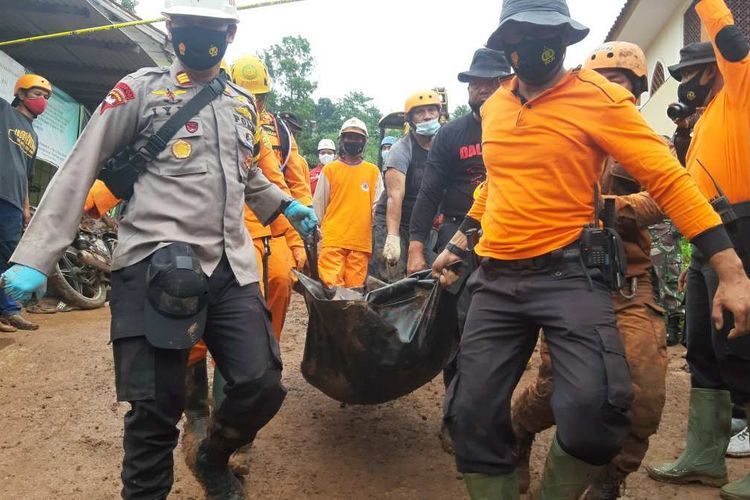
(709, 429)
(484, 487)
(565, 477)
(738, 490)
(218, 389)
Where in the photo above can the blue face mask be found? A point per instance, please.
(385, 154)
(428, 129)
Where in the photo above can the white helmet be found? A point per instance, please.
(354, 125)
(326, 144)
(217, 9)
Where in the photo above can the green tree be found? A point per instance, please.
(331, 115)
(129, 5)
(461, 110)
(290, 64)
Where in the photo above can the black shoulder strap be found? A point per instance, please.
(285, 141)
(157, 142)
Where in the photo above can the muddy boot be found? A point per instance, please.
(737, 490)
(674, 329)
(606, 486)
(707, 440)
(483, 487)
(196, 409)
(18, 321)
(565, 477)
(212, 469)
(522, 452)
(6, 327)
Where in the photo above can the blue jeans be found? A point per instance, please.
(11, 226)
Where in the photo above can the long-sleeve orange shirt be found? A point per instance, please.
(344, 201)
(721, 139)
(296, 174)
(544, 157)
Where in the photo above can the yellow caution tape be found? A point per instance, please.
(96, 29)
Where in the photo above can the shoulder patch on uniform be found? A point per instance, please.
(121, 94)
(732, 44)
(612, 91)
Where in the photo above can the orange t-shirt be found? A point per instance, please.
(345, 197)
(721, 139)
(543, 158)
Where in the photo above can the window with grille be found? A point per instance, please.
(692, 27)
(741, 11)
(657, 80)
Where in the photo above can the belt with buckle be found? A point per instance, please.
(570, 253)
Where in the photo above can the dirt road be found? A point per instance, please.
(60, 429)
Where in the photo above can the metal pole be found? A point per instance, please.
(129, 24)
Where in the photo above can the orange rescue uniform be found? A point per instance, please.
(287, 247)
(343, 203)
(720, 136)
(544, 156)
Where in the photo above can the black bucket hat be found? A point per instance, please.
(694, 54)
(487, 63)
(541, 13)
(291, 120)
(176, 298)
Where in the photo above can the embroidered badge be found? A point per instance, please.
(182, 150)
(191, 127)
(121, 94)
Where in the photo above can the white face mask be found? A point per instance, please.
(325, 159)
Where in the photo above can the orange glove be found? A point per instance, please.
(300, 258)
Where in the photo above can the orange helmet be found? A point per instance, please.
(422, 98)
(30, 81)
(620, 55)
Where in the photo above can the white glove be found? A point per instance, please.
(392, 249)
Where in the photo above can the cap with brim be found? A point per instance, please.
(487, 63)
(694, 54)
(540, 13)
(291, 120)
(176, 298)
(354, 130)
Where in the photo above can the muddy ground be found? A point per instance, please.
(60, 429)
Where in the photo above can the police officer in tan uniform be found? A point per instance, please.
(185, 265)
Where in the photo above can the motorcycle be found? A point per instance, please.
(82, 276)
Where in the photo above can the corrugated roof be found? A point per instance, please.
(88, 66)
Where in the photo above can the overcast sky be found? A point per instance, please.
(390, 48)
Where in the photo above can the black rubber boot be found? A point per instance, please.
(213, 472)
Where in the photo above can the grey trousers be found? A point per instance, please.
(592, 387)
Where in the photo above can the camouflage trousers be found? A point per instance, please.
(666, 255)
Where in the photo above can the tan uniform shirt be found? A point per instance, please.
(193, 192)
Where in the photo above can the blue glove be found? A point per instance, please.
(21, 281)
(302, 218)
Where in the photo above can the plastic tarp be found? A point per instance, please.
(375, 347)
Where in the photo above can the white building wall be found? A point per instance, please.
(665, 49)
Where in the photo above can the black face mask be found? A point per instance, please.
(199, 48)
(352, 148)
(692, 93)
(537, 61)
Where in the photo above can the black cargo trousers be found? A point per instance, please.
(239, 336)
(716, 362)
(592, 387)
